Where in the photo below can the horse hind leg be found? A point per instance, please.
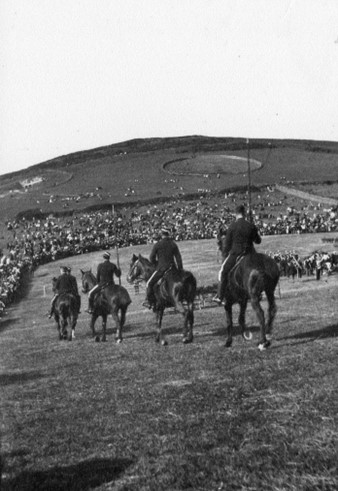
(263, 343)
(104, 328)
(92, 327)
(63, 325)
(118, 323)
(73, 324)
(246, 333)
(159, 338)
(188, 325)
(272, 310)
(228, 315)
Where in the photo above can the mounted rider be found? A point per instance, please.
(164, 255)
(239, 240)
(65, 283)
(105, 276)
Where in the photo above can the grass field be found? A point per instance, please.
(137, 416)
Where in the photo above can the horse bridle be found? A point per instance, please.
(131, 278)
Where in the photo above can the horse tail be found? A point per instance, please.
(64, 312)
(188, 292)
(256, 283)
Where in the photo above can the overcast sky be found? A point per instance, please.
(78, 74)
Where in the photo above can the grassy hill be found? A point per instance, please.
(136, 171)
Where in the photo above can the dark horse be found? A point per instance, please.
(253, 274)
(175, 289)
(110, 299)
(65, 314)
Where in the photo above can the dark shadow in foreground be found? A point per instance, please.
(327, 332)
(78, 477)
(18, 378)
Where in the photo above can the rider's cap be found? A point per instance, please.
(165, 231)
(106, 255)
(240, 209)
(64, 269)
(69, 269)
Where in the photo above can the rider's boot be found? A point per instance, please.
(89, 309)
(148, 302)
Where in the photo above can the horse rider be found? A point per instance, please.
(164, 255)
(239, 240)
(105, 276)
(75, 288)
(65, 283)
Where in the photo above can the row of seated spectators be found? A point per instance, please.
(39, 241)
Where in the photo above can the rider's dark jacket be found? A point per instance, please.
(164, 254)
(240, 237)
(106, 271)
(66, 284)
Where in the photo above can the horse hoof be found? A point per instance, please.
(187, 340)
(164, 342)
(97, 339)
(228, 343)
(118, 341)
(263, 346)
(247, 335)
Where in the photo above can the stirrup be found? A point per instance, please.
(217, 299)
(147, 304)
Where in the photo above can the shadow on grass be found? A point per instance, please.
(83, 476)
(14, 378)
(236, 331)
(5, 323)
(330, 331)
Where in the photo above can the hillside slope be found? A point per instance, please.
(135, 171)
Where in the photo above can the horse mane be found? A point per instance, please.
(144, 260)
(90, 273)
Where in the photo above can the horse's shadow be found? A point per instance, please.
(83, 476)
(330, 331)
(167, 331)
(5, 323)
(236, 331)
(13, 378)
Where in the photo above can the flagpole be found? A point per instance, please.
(249, 180)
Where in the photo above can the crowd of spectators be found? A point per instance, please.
(38, 241)
(12, 270)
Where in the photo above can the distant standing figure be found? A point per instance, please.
(318, 266)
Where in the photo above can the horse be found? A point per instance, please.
(65, 313)
(110, 299)
(175, 289)
(252, 275)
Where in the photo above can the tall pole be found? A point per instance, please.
(249, 180)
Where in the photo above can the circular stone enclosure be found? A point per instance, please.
(211, 164)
